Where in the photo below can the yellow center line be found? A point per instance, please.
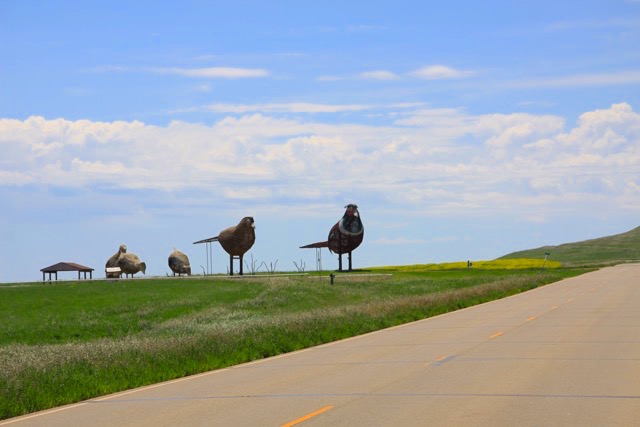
(554, 307)
(497, 334)
(306, 417)
(529, 319)
(570, 299)
(439, 359)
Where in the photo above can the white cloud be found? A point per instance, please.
(8, 178)
(580, 80)
(434, 161)
(440, 72)
(621, 22)
(295, 107)
(379, 75)
(214, 72)
(200, 72)
(330, 78)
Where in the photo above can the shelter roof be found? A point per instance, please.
(65, 266)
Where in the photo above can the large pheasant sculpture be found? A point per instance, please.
(236, 240)
(345, 236)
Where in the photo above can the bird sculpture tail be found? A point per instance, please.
(324, 244)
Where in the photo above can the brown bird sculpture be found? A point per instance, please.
(113, 261)
(345, 236)
(236, 240)
(130, 264)
(179, 263)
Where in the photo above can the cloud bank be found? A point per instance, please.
(430, 161)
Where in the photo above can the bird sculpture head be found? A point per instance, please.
(122, 249)
(351, 223)
(351, 210)
(143, 268)
(247, 221)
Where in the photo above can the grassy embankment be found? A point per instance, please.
(75, 340)
(608, 250)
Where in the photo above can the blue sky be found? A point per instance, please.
(463, 130)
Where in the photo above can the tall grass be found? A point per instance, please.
(73, 341)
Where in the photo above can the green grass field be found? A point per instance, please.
(69, 341)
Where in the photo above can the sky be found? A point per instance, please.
(463, 130)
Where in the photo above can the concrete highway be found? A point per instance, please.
(565, 354)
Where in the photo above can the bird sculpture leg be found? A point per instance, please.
(350, 261)
(241, 256)
(230, 265)
(339, 262)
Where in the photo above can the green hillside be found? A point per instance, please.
(604, 250)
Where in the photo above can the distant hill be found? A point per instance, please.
(604, 250)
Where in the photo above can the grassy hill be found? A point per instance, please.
(604, 250)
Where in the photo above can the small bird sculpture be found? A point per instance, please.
(113, 261)
(179, 263)
(130, 264)
(236, 240)
(345, 236)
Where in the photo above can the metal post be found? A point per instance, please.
(319, 260)
(211, 256)
(206, 245)
(350, 268)
(545, 261)
(339, 262)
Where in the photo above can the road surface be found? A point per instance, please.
(563, 354)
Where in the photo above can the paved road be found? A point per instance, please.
(563, 354)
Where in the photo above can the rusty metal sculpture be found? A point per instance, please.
(345, 236)
(113, 261)
(130, 264)
(236, 241)
(179, 263)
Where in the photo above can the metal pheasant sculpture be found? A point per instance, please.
(345, 236)
(179, 263)
(236, 240)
